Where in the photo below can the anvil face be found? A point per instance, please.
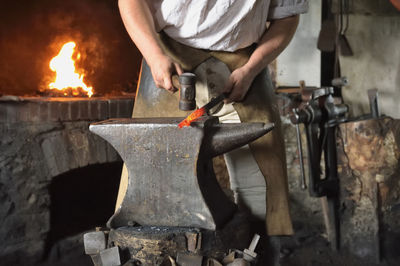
(171, 179)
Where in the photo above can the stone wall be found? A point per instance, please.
(41, 140)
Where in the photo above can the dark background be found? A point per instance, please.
(32, 32)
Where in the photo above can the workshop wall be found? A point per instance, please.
(374, 36)
(301, 60)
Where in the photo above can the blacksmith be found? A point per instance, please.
(228, 44)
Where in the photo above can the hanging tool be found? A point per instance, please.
(327, 34)
(344, 45)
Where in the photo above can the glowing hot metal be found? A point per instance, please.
(200, 112)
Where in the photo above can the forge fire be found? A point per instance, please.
(68, 80)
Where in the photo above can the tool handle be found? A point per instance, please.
(216, 100)
(254, 242)
(373, 102)
(300, 148)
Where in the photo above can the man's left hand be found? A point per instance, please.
(238, 84)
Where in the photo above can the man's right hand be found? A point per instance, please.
(162, 68)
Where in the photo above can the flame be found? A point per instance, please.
(192, 117)
(66, 77)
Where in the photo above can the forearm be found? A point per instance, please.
(272, 43)
(139, 24)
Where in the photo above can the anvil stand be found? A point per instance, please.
(173, 207)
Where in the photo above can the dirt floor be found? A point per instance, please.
(305, 248)
(312, 249)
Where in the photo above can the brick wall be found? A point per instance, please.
(15, 109)
(41, 139)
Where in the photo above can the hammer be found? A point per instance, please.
(187, 90)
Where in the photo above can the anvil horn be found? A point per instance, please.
(222, 138)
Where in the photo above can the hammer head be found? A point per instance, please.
(187, 94)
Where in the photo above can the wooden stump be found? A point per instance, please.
(150, 245)
(368, 166)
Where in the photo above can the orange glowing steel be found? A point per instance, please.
(192, 117)
(66, 76)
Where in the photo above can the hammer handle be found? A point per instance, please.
(175, 81)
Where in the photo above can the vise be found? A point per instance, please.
(320, 115)
(171, 178)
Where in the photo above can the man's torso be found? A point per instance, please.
(221, 25)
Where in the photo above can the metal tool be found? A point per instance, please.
(193, 241)
(107, 257)
(248, 253)
(203, 110)
(343, 43)
(373, 103)
(94, 242)
(110, 257)
(184, 259)
(320, 116)
(171, 179)
(340, 82)
(327, 34)
(187, 92)
(214, 101)
(243, 258)
(300, 149)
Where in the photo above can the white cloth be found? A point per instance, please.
(220, 25)
(246, 180)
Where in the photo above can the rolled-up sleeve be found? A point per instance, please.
(286, 8)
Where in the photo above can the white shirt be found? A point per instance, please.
(222, 25)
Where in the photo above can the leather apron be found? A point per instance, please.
(259, 105)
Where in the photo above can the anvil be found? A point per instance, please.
(171, 178)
